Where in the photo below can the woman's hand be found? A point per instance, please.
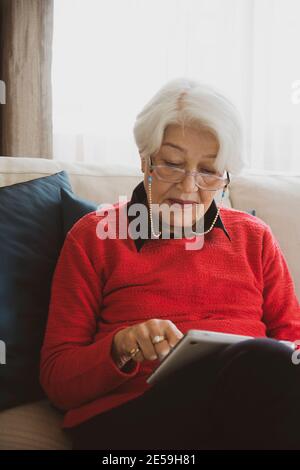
(136, 341)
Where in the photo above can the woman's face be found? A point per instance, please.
(190, 149)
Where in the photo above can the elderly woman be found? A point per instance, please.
(120, 304)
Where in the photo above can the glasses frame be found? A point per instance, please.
(194, 173)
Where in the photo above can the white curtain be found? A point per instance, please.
(111, 56)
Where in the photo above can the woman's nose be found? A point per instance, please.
(188, 184)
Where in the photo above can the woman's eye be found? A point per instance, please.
(172, 164)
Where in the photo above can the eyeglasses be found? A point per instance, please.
(203, 180)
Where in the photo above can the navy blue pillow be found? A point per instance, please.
(251, 211)
(73, 209)
(31, 236)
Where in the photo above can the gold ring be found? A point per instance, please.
(134, 351)
(158, 339)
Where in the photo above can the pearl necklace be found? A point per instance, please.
(151, 217)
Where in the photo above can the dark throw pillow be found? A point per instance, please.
(251, 211)
(31, 236)
(73, 209)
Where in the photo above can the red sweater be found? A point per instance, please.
(241, 286)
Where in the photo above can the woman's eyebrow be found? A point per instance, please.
(170, 144)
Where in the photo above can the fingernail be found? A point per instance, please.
(153, 358)
(162, 355)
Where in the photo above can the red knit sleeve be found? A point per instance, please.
(280, 305)
(74, 368)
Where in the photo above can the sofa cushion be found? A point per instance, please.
(276, 199)
(34, 426)
(31, 237)
(73, 208)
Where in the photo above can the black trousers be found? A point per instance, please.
(246, 397)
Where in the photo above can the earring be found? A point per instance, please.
(150, 207)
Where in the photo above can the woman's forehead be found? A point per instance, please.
(184, 151)
(182, 138)
(191, 146)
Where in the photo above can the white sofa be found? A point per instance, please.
(275, 197)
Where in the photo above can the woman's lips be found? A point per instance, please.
(182, 202)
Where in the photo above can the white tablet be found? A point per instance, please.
(193, 345)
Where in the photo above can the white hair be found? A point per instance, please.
(188, 102)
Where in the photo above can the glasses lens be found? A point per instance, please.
(211, 182)
(166, 173)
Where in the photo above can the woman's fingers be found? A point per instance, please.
(173, 334)
(139, 342)
(149, 332)
(145, 342)
(140, 345)
(162, 348)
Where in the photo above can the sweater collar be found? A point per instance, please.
(139, 195)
